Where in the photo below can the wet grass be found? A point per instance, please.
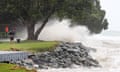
(33, 46)
(13, 68)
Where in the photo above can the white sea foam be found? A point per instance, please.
(62, 32)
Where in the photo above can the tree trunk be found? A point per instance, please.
(37, 33)
(30, 31)
(57, 5)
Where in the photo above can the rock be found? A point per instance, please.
(36, 66)
(29, 67)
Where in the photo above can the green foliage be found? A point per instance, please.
(84, 12)
(105, 24)
(75, 10)
(28, 9)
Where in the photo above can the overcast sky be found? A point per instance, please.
(112, 8)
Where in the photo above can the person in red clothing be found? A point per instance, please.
(6, 29)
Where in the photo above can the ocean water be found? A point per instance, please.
(109, 35)
(108, 54)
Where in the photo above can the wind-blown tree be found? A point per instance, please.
(97, 21)
(82, 12)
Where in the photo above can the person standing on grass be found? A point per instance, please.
(11, 35)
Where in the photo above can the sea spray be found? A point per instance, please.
(57, 30)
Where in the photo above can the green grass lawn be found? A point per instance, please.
(32, 46)
(11, 68)
(29, 45)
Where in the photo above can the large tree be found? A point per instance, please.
(82, 12)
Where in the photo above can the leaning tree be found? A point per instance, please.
(81, 12)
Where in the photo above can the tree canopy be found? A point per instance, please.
(80, 12)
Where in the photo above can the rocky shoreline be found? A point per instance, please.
(65, 55)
